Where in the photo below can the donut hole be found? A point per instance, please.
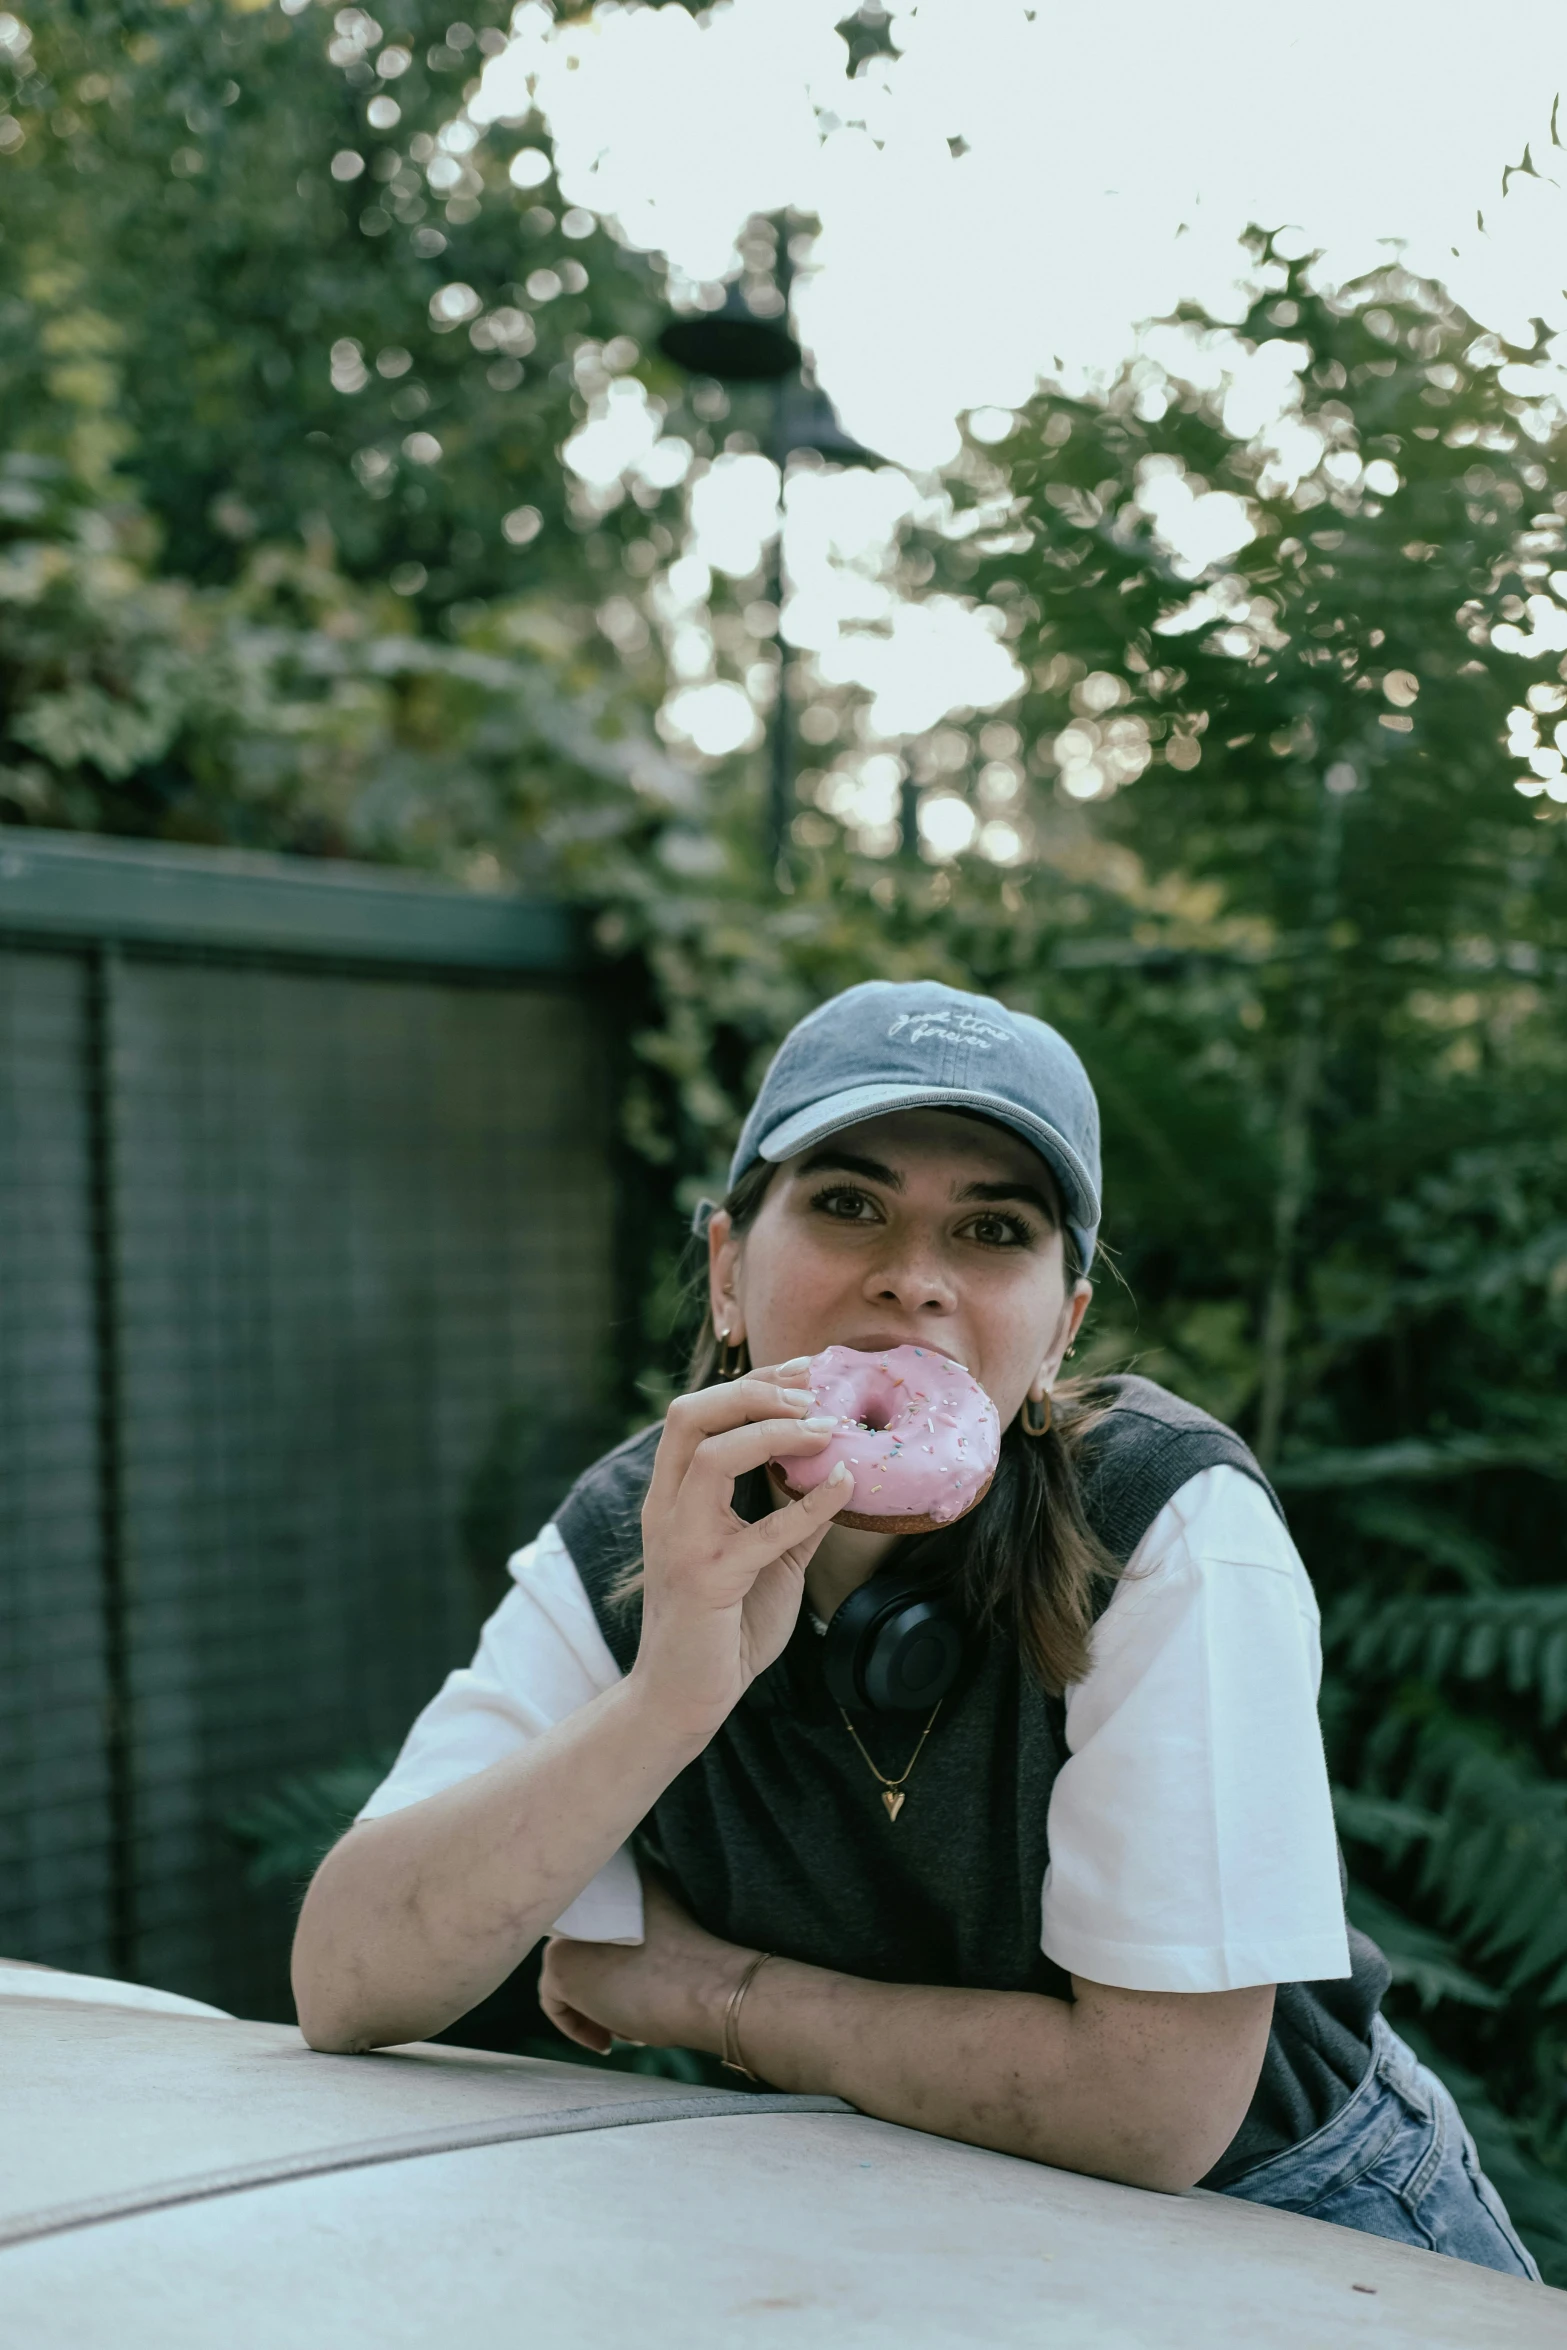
(880, 1405)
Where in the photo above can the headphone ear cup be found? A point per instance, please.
(893, 1647)
(914, 1658)
(840, 1656)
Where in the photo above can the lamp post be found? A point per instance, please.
(736, 346)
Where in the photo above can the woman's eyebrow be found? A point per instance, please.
(838, 1162)
(845, 1163)
(1026, 1192)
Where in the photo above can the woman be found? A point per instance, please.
(1088, 1909)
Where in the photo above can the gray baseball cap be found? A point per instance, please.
(891, 1045)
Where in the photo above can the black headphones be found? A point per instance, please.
(894, 1647)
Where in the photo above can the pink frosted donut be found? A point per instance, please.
(919, 1434)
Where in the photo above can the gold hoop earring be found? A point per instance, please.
(732, 1360)
(1032, 1426)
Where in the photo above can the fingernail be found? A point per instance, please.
(840, 1474)
(795, 1363)
(819, 1424)
(799, 1395)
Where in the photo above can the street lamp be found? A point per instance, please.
(732, 344)
(736, 346)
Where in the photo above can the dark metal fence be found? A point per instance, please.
(306, 1294)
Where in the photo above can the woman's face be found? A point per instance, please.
(920, 1228)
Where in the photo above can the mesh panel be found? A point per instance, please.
(363, 1230)
(55, 1874)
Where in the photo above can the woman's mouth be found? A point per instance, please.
(880, 1342)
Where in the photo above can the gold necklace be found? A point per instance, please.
(892, 1789)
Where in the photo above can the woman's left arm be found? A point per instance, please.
(1148, 2087)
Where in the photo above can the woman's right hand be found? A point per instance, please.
(720, 1597)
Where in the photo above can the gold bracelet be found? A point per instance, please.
(732, 2060)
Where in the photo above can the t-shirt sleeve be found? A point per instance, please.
(540, 1657)
(1192, 1845)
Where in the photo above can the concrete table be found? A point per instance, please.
(174, 2180)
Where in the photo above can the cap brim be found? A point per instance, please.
(839, 1110)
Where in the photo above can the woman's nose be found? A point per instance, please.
(913, 1278)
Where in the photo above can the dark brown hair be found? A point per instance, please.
(1032, 1565)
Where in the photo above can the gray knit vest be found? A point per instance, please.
(776, 1837)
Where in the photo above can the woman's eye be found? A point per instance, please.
(846, 1204)
(1001, 1231)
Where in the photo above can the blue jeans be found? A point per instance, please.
(1395, 2161)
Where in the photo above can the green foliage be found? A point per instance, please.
(290, 1831)
(1255, 841)
(294, 710)
(190, 293)
(1418, 1956)
(287, 551)
(1518, 1638)
(1496, 1868)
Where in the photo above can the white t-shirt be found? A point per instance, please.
(1190, 1828)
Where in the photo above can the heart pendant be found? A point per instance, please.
(892, 1797)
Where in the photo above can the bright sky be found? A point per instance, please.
(1108, 160)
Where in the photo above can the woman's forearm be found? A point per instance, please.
(413, 1919)
(1146, 2087)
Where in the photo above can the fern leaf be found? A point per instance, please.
(1545, 1948)
(1482, 1645)
(289, 1832)
(1467, 1637)
(1553, 1675)
(1417, 1955)
(1524, 1657)
(1497, 1870)
(1435, 1536)
(1381, 1821)
(1427, 1647)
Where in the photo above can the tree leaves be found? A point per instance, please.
(256, 585)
